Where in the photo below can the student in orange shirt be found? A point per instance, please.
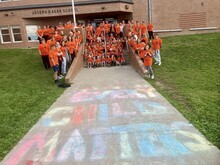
(103, 60)
(54, 62)
(98, 61)
(122, 60)
(148, 61)
(117, 29)
(51, 42)
(60, 59)
(157, 44)
(71, 45)
(108, 61)
(57, 37)
(44, 52)
(144, 39)
(89, 61)
(150, 30)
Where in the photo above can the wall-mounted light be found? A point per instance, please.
(103, 7)
(126, 7)
(6, 14)
(202, 4)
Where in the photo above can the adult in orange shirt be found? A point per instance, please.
(40, 33)
(150, 30)
(143, 28)
(148, 61)
(117, 29)
(157, 44)
(46, 33)
(54, 62)
(44, 52)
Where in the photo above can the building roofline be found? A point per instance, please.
(89, 2)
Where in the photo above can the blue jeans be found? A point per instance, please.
(157, 55)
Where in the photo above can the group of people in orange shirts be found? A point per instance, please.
(105, 45)
(57, 49)
(146, 47)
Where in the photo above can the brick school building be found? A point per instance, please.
(19, 19)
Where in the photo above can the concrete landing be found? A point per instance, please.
(111, 116)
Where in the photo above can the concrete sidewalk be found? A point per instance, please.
(111, 116)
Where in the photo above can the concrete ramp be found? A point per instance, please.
(112, 116)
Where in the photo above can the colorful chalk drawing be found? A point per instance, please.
(94, 121)
(153, 139)
(75, 146)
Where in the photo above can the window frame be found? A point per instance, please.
(12, 33)
(31, 33)
(1, 35)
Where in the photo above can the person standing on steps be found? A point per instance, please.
(157, 44)
(150, 31)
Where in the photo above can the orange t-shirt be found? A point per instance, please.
(71, 46)
(40, 32)
(58, 37)
(156, 44)
(148, 59)
(44, 49)
(143, 29)
(145, 40)
(53, 55)
(50, 42)
(142, 53)
(117, 29)
(150, 27)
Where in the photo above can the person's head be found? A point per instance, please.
(43, 41)
(70, 38)
(53, 47)
(63, 43)
(147, 47)
(57, 44)
(156, 36)
(149, 22)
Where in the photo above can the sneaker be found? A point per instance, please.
(56, 81)
(60, 77)
(152, 77)
(156, 63)
(159, 63)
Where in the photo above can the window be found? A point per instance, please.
(5, 35)
(16, 34)
(32, 33)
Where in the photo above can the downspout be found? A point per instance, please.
(150, 10)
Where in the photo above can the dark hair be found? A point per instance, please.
(52, 45)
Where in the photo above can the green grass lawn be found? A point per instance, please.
(26, 91)
(189, 78)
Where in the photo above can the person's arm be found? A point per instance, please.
(51, 58)
(39, 50)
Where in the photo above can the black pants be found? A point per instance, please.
(46, 62)
(151, 35)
